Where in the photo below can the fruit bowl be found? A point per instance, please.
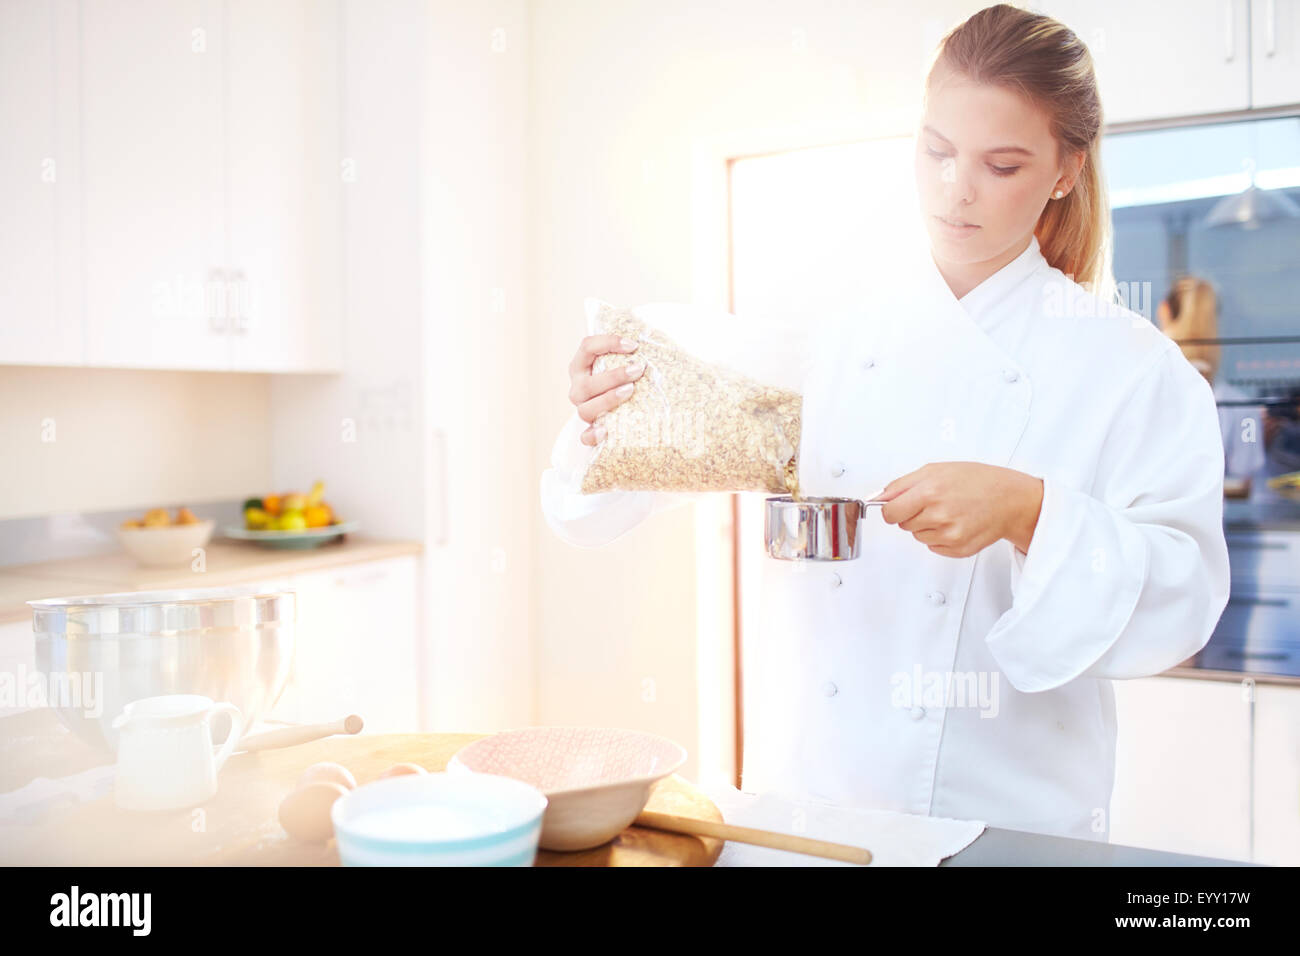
(167, 546)
(308, 538)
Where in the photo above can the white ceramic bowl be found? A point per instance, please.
(597, 779)
(439, 819)
(169, 546)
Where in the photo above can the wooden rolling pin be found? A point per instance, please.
(768, 838)
(290, 736)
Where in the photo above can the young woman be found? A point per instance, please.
(1052, 467)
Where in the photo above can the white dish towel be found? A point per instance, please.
(894, 839)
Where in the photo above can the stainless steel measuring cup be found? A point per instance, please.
(813, 529)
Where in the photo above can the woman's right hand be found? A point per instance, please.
(594, 395)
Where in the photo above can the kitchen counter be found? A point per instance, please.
(227, 562)
(241, 826)
(998, 847)
(35, 743)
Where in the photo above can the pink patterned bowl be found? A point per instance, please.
(596, 779)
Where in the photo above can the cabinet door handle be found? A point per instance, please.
(240, 293)
(1229, 31)
(214, 298)
(1270, 27)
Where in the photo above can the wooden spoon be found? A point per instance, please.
(290, 736)
(768, 838)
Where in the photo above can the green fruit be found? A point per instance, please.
(253, 503)
(255, 519)
(292, 521)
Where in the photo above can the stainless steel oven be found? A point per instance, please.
(1206, 222)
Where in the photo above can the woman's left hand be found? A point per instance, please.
(958, 508)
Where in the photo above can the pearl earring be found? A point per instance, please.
(1058, 194)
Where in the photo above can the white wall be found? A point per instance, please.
(622, 96)
(126, 438)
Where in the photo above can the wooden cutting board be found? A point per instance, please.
(239, 826)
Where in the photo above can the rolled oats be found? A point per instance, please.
(690, 425)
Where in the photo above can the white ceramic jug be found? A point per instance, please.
(165, 755)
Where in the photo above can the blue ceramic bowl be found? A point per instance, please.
(439, 819)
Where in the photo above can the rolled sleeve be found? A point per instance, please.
(1128, 580)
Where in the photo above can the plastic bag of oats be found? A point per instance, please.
(690, 425)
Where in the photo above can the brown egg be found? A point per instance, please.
(327, 772)
(399, 769)
(305, 813)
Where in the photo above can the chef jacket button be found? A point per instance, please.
(1010, 375)
(836, 580)
(917, 712)
(936, 598)
(829, 689)
(837, 469)
(868, 362)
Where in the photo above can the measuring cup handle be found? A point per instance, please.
(232, 738)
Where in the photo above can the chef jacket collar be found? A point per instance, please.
(979, 302)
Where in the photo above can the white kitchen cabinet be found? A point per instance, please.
(151, 115)
(357, 648)
(285, 248)
(1275, 52)
(182, 160)
(1277, 774)
(40, 276)
(1154, 60)
(1183, 766)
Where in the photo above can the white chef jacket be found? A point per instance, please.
(976, 687)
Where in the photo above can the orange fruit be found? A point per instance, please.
(317, 517)
(271, 504)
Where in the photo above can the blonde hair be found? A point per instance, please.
(1043, 60)
(1194, 314)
